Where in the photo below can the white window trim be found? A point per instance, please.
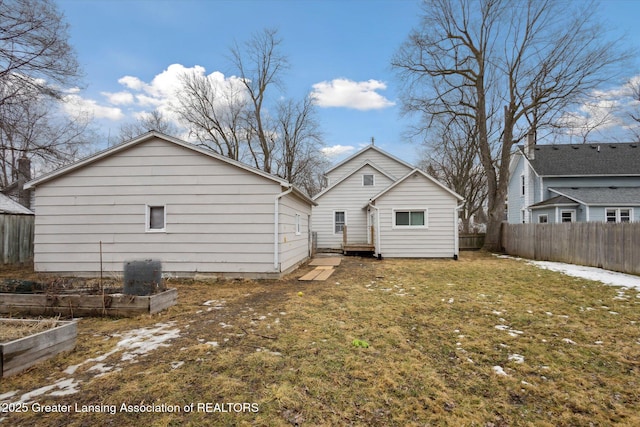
(373, 179)
(334, 220)
(543, 216)
(298, 227)
(618, 213)
(412, 209)
(573, 214)
(148, 228)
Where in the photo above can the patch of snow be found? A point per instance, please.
(7, 395)
(607, 277)
(499, 371)
(568, 341)
(141, 341)
(517, 358)
(502, 327)
(176, 364)
(212, 343)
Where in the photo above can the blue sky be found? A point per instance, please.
(131, 52)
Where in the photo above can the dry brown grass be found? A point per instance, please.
(570, 349)
(13, 330)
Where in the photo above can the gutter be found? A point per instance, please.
(377, 243)
(276, 227)
(456, 233)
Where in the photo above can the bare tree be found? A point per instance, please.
(39, 131)
(298, 140)
(453, 158)
(215, 112)
(525, 61)
(154, 120)
(34, 51)
(260, 64)
(239, 118)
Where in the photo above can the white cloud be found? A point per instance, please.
(75, 105)
(351, 94)
(118, 98)
(337, 150)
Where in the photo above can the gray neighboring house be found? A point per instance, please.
(574, 183)
(158, 197)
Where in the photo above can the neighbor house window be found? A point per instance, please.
(339, 221)
(156, 218)
(522, 185)
(410, 218)
(618, 215)
(367, 180)
(543, 219)
(568, 216)
(298, 232)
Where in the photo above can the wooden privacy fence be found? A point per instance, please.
(612, 246)
(16, 238)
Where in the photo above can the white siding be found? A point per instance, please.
(219, 217)
(387, 164)
(349, 196)
(437, 239)
(293, 247)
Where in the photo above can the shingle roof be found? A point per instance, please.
(611, 196)
(8, 206)
(554, 201)
(587, 159)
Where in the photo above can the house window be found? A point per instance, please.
(298, 225)
(339, 221)
(543, 218)
(367, 180)
(618, 215)
(568, 216)
(522, 185)
(156, 218)
(410, 218)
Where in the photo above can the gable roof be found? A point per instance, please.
(414, 171)
(9, 206)
(365, 149)
(155, 134)
(586, 159)
(554, 201)
(353, 172)
(603, 196)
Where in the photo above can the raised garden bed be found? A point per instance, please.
(38, 344)
(75, 305)
(75, 299)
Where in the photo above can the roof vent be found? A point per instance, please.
(555, 148)
(612, 146)
(613, 187)
(575, 147)
(633, 145)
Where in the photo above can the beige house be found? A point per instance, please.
(375, 202)
(157, 197)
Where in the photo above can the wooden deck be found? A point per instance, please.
(358, 247)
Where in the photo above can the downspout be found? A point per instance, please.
(456, 232)
(377, 244)
(276, 228)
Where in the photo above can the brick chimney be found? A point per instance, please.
(24, 176)
(530, 145)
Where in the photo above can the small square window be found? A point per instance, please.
(543, 219)
(367, 180)
(625, 215)
(568, 216)
(611, 215)
(298, 232)
(156, 218)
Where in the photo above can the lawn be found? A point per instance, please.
(481, 341)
